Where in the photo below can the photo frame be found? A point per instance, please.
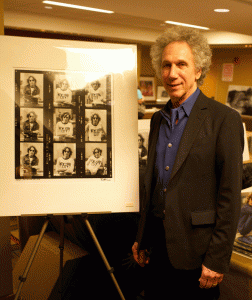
(46, 189)
(239, 98)
(143, 137)
(148, 88)
(162, 95)
(77, 110)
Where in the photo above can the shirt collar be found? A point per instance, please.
(187, 105)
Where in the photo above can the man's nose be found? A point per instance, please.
(173, 72)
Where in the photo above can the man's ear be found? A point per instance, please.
(198, 73)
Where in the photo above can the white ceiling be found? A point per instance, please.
(150, 14)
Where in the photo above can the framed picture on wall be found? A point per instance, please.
(162, 95)
(239, 97)
(148, 88)
(143, 135)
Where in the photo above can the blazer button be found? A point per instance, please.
(165, 190)
(167, 168)
(169, 145)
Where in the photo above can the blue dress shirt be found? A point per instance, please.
(167, 146)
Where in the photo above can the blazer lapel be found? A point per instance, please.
(196, 118)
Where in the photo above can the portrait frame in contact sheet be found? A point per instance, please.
(63, 125)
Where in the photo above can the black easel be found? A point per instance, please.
(61, 247)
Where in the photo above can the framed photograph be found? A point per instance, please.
(64, 135)
(56, 131)
(148, 88)
(239, 97)
(143, 135)
(162, 95)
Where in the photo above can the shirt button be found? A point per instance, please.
(169, 145)
(167, 168)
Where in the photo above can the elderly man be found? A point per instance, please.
(193, 178)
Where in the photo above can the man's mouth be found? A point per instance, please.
(173, 85)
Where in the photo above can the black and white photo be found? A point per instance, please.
(58, 114)
(240, 99)
(98, 92)
(64, 159)
(142, 150)
(31, 89)
(143, 134)
(95, 129)
(31, 160)
(162, 95)
(96, 159)
(64, 125)
(31, 124)
(63, 96)
(80, 62)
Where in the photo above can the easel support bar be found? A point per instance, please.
(110, 270)
(34, 251)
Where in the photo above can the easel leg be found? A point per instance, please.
(35, 249)
(61, 247)
(110, 270)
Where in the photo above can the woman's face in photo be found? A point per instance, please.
(31, 81)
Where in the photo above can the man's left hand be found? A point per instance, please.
(209, 278)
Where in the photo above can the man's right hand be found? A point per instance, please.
(141, 258)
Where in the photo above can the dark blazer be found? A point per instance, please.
(203, 197)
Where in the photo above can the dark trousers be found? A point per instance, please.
(163, 281)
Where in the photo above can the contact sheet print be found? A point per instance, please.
(63, 124)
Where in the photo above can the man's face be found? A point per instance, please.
(32, 81)
(95, 120)
(64, 85)
(97, 153)
(140, 142)
(31, 152)
(65, 119)
(179, 75)
(66, 154)
(32, 118)
(95, 86)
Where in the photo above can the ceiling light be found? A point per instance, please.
(78, 7)
(48, 7)
(221, 10)
(186, 25)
